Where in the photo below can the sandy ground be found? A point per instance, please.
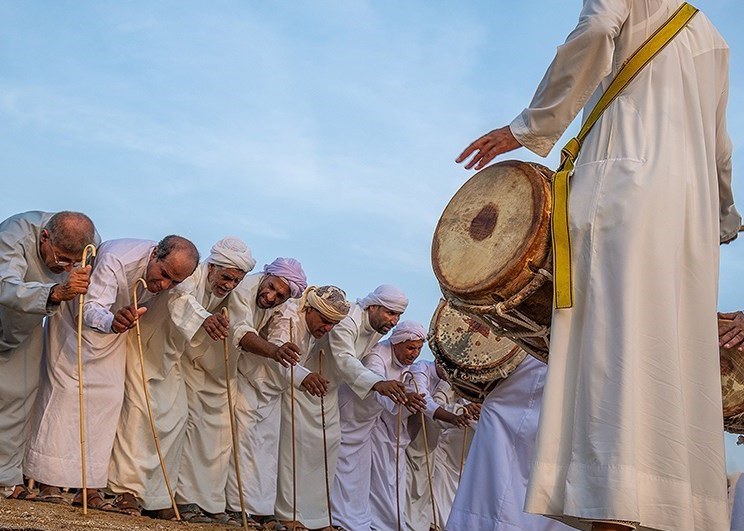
(36, 516)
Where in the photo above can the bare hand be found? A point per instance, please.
(393, 389)
(415, 402)
(488, 146)
(731, 330)
(286, 354)
(315, 384)
(77, 284)
(473, 410)
(216, 326)
(125, 318)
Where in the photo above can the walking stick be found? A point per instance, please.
(325, 443)
(233, 429)
(81, 300)
(294, 445)
(464, 446)
(147, 398)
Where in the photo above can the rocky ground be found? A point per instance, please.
(36, 516)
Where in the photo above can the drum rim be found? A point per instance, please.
(515, 267)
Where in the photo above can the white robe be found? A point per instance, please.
(25, 283)
(260, 383)
(207, 446)
(632, 424)
(447, 458)
(737, 511)
(53, 453)
(491, 493)
(135, 466)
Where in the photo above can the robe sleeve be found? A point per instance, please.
(102, 293)
(243, 316)
(729, 218)
(580, 64)
(343, 353)
(185, 311)
(278, 332)
(375, 363)
(424, 385)
(15, 293)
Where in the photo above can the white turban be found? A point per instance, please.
(233, 253)
(328, 300)
(408, 331)
(289, 270)
(388, 296)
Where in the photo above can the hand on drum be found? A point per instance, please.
(487, 147)
(731, 330)
(415, 402)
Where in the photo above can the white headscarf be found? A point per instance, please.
(388, 296)
(408, 331)
(233, 253)
(289, 270)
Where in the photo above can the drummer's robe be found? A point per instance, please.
(25, 283)
(53, 453)
(260, 384)
(737, 505)
(632, 425)
(491, 493)
(207, 444)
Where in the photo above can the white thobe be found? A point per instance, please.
(53, 453)
(135, 466)
(491, 493)
(25, 283)
(260, 383)
(207, 446)
(737, 509)
(632, 424)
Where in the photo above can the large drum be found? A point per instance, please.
(491, 252)
(473, 357)
(732, 387)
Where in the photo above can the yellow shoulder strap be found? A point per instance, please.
(562, 275)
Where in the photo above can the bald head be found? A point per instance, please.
(71, 231)
(174, 259)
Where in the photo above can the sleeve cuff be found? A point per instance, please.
(527, 138)
(300, 373)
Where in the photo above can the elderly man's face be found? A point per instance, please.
(382, 319)
(407, 351)
(318, 324)
(162, 275)
(272, 291)
(57, 260)
(222, 280)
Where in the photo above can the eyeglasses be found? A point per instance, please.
(58, 262)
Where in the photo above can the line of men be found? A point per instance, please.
(272, 321)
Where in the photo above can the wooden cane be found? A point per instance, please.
(294, 444)
(464, 446)
(81, 300)
(233, 428)
(147, 397)
(325, 443)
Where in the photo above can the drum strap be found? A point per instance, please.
(562, 277)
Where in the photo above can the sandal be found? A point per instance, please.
(225, 518)
(49, 494)
(294, 525)
(237, 516)
(191, 512)
(268, 523)
(161, 514)
(126, 503)
(95, 501)
(22, 492)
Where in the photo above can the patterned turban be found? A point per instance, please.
(388, 296)
(408, 331)
(328, 300)
(289, 270)
(233, 253)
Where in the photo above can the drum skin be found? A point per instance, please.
(496, 225)
(472, 356)
(732, 389)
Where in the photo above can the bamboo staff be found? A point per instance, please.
(81, 300)
(325, 443)
(464, 446)
(233, 428)
(294, 445)
(147, 397)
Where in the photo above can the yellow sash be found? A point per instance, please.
(562, 276)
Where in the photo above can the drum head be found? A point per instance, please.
(467, 348)
(732, 382)
(493, 226)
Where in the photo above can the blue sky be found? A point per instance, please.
(325, 131)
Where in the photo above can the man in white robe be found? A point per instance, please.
(633, 388)
(170, 325)
(492, 491)
(319, 311)
(255, 306)
(196, 307)
(736, 499)
(360, 490)
(39, 252)
(53, 454)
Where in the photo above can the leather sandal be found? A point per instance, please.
(126, 503)
(95, 501)
(22, 492)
